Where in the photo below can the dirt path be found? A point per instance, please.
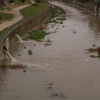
(17, 17)
(62, 70)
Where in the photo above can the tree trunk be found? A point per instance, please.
(96, 8)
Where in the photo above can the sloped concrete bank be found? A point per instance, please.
(88, 5)
(8, 39)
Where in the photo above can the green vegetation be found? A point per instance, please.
(30, 52)
(35, 34)
(56, 14)
(7, 16)
(24, 70)
(28, 11)
(91, 50)
(18, 1)
(56, 11)
(3, 66)
(4, 30)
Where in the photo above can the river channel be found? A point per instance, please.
(59, 71)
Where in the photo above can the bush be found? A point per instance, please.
(37, 1)
(22, 1)
(11, 1)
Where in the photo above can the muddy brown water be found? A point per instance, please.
(62, 70)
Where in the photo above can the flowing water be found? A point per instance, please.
(59, 71)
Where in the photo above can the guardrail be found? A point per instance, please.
(13, 27)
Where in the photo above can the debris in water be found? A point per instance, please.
(93, 56)
(74, 31)
(39, 40)
(63, 26)
(55, 94)
(25, 47)
(3, 66)
(30, 52)
(98, 56)
(54, 31)
(46, 44)
(94, 45)
(98, 50)
(24, 70)
(51, 84)
(16, 66)
(61, 22)
(41, 27)
(63, 96)
(48, 40)
(50, 87)
(91, 50)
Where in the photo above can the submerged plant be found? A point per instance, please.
(91, 50)
(24, 70)
(36, 34)
(74, 31)
(30, 52)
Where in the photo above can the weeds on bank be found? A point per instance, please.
(55, 11)
(36, 34)
(3, 66)
(2, 31)
(30, 52)
(74, 31)
(30, 10)
(7, 16)
(56, 14)
(91, 50)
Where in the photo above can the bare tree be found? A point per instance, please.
(97, 3)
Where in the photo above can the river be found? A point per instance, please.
(62, 70)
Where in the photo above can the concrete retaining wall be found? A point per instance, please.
(20, 28)
(89, 5)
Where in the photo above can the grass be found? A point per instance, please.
(30, 52)
(28, 11)
(24, 70)
(2, 31)
(91, 50)
(55, 12)
(36, 34)
(3, 66)
(7, 16)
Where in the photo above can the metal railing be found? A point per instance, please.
(14, 26)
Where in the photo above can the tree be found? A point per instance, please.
(11, 1)
(1, 8)
(97, 3)
(22, 1)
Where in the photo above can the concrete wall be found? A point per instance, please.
(9, 38)
(89, 5)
